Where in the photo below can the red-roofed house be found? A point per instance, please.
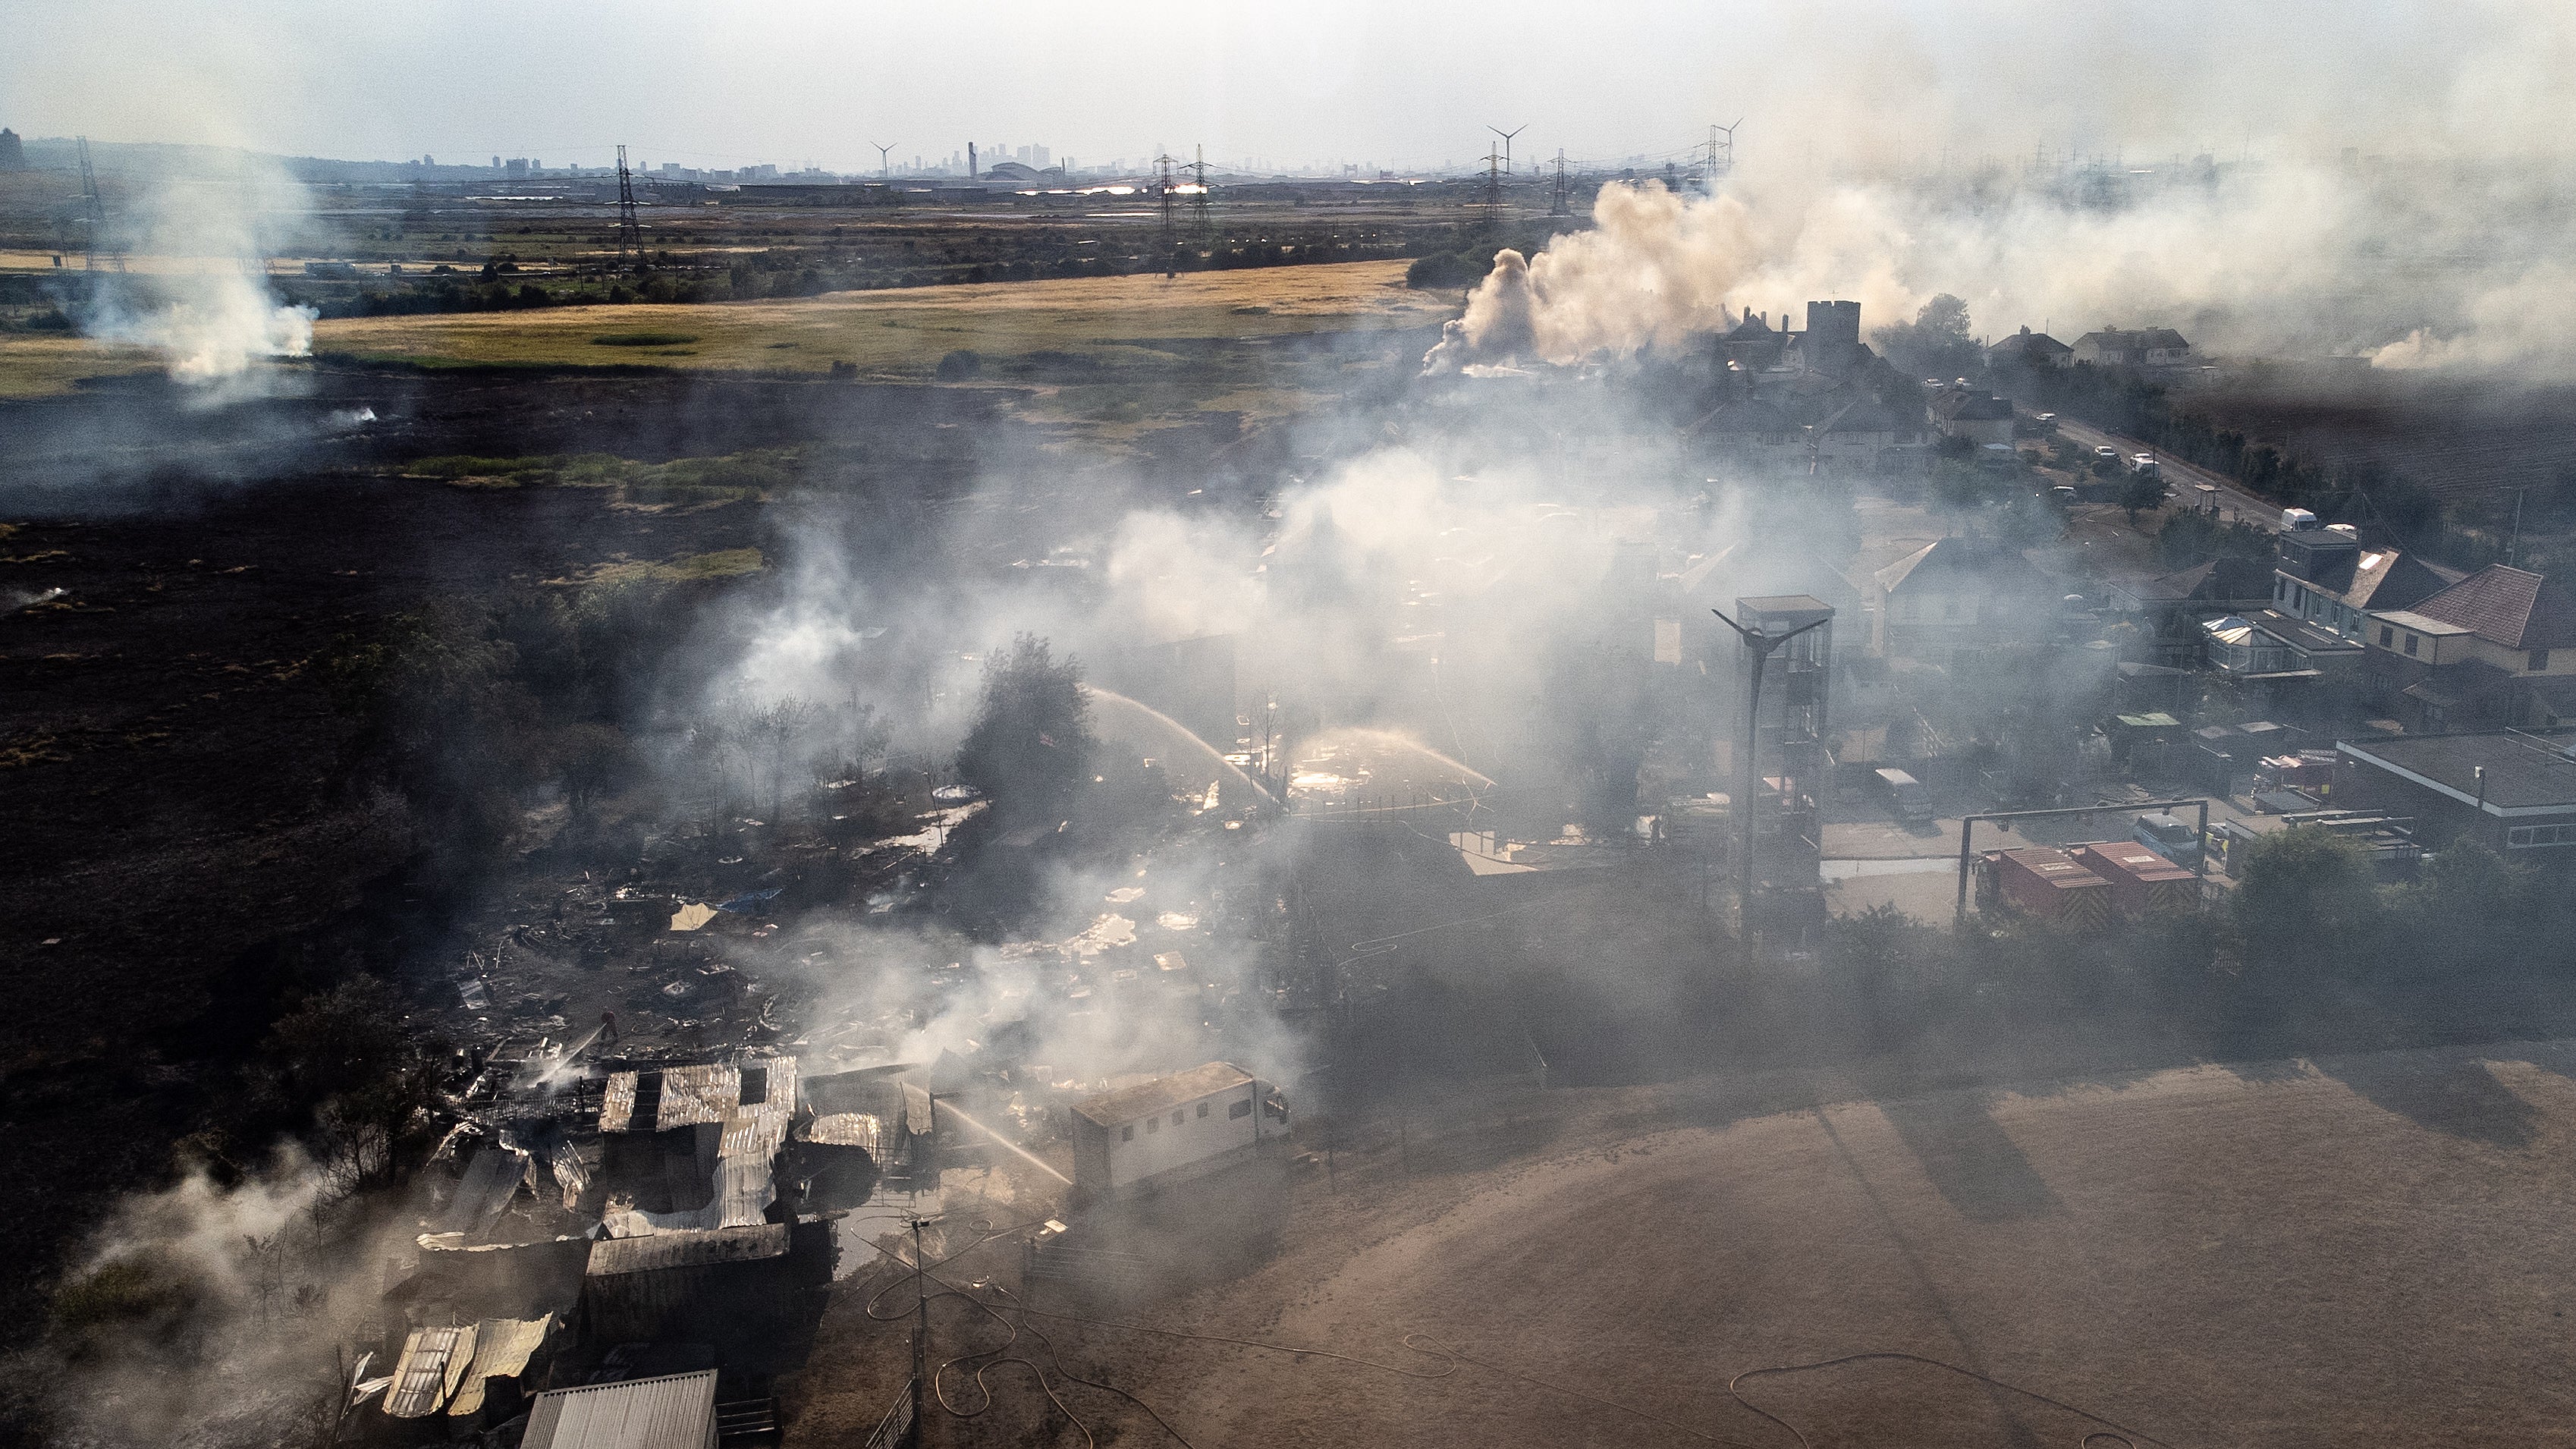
(2498, 647)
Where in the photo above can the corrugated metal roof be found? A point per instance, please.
(502, 1347)
(1112, 1109)
(742, 1188)
(491, 1180)
(686, 1249)
(848, 1129)
(675, 1411)
(432, 1365)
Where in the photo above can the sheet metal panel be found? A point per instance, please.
(433, 1364)
(848, 1129)
(675, 1411)
(502, 1347)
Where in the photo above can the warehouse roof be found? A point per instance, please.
(2526, 773)
(674, 1411)
(1112, 1109)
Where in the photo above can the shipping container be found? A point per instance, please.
(2051, 886)
(2143, 883)
(1906, 795)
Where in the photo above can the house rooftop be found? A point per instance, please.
(2408, 619)
(2512, 607)
(1956, 555)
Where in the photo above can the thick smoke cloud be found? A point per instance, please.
(2411, 265)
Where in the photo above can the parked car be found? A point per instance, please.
(2169, 837)
(2299, 520)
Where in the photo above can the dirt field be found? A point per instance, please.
(2352, 1250)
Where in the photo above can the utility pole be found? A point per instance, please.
(1760, 645)
(920, 1333)
(1493, 192)
(1559, 207)
(630, 231)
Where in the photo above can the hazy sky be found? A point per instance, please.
(1401, 84)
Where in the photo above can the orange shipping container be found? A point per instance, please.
(2142, 882)
(2050, 884)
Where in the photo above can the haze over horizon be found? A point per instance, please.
(1869, 84)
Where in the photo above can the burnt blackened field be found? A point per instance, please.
(209, 809)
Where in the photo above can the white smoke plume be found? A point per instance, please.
(209, 1315)
(200, 294)
(2414, 266)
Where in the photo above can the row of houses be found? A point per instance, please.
(2376, 630)
(2147, 347)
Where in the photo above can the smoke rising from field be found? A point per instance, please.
(209, 1315)
(207, 308)
(2412, 265)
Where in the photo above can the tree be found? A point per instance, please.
(1030, 748)
(1935, 344)
(2141, 492)
(595, 758)
(369, 1082)
(2308, 895)
(774, 731)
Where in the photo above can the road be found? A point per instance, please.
(2233, 501)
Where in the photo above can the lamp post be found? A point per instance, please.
(1762, 644)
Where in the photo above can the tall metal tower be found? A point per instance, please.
(1558, 206)
(1721, 153)
(1762, 636)
(1169, 238)
(630, 230)
(1493, 204)
(1202, 229)
(94, 213)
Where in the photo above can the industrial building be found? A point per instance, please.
(2513, 791)
(1171, 1129)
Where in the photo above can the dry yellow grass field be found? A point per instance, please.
(1094, 347)
(905, 333)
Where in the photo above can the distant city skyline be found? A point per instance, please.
(1408, 87)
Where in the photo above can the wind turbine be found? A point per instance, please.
(1507, 142)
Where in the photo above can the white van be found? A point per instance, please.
(2299, 520)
